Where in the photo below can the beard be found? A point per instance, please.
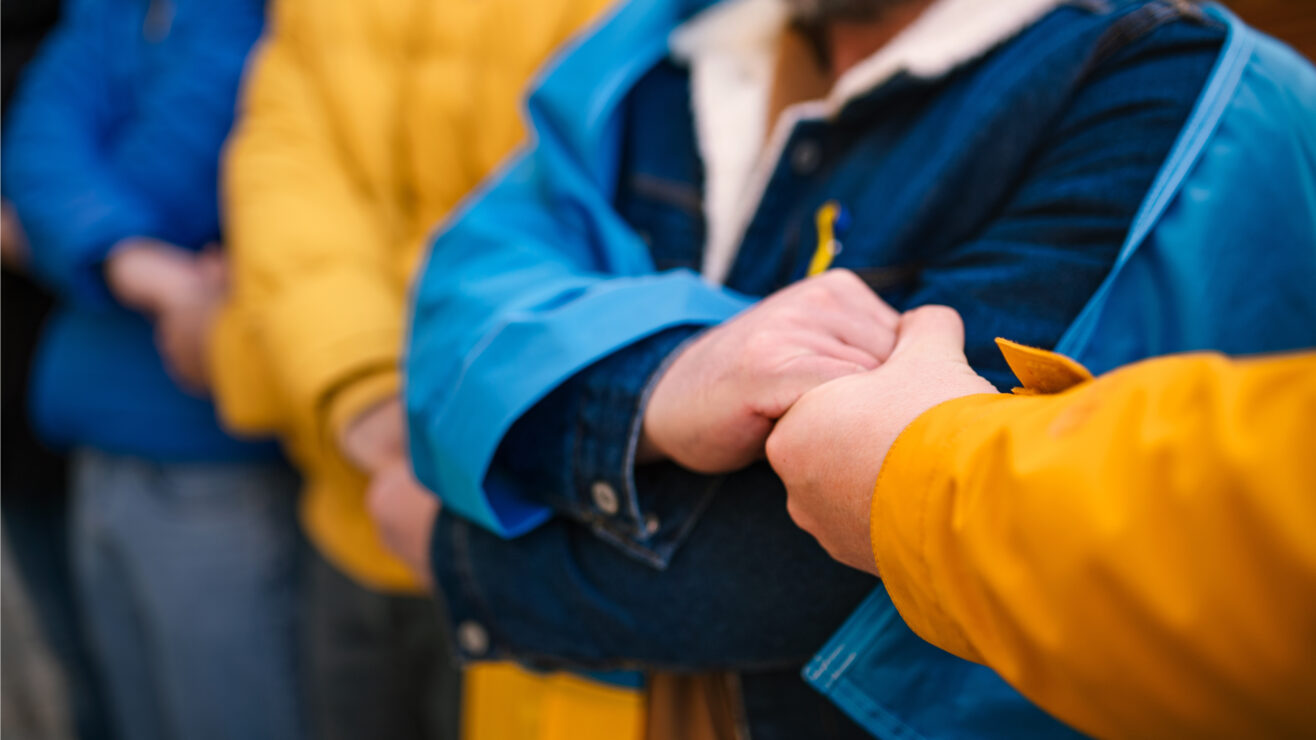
(823, 12)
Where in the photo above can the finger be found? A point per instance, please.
(838, 349)
(800, 377)
(861, 332)
(851, 291)
(931, 332)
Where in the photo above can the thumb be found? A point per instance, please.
(930, 333)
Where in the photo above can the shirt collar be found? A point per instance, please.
(948, 35)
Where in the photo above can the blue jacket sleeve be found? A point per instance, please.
(539, 278)
(115, 134)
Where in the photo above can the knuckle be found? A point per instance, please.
(843, 280)
(799, 515)
(760, 345)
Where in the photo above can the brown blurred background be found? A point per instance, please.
(1291, 20)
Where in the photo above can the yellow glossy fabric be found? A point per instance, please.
(548, 707)
(1136, 554)
(362, 125)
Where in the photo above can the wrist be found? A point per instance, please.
(375, 438)
(649, 448)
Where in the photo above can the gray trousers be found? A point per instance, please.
(187, 576)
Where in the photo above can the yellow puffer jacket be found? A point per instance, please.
(1136, 554)
(362, 125)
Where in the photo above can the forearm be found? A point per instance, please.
(561, 596)
(1126, 554)
(576, 453)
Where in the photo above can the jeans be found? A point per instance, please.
(187, 577)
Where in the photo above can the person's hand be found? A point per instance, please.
(404, 514)
(830, 447)
(376, 438)
(181, 291)
(13, 241)
(148, 274)
(183, 326)
(712, 410)
(402, 510)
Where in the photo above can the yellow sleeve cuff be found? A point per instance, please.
(1041, 372)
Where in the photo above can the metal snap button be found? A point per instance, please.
(605, 497)
(806, 156)
(473, 638)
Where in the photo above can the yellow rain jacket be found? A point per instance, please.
(362, 125)
(1136, 554)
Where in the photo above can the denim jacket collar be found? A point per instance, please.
(731, 49)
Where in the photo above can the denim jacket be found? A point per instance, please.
(1004, 189)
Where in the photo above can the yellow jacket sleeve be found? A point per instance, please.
(1137, 554)
(318, 294)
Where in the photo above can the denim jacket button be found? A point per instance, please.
(651, 524)
(805, 157)
(605, 498)
(473, 638)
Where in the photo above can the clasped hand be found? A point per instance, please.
(819, 378)
(181, 291)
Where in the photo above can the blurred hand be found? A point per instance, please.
(182, 291)
(402, 510)
(13, 242)
(830, 447)
(148, 274)
(714, 407)
(376, 438)
(404, 514)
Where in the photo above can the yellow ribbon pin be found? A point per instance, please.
(828, 245)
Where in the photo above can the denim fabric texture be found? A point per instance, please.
(188, 574)
(1004, 190)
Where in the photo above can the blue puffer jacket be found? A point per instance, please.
(116, 132)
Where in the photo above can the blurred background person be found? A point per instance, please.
(184, 542)
(33, 484)
(1132, 552)
(34, 686)
(362, 125)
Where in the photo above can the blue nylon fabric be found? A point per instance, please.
(1222, 257)
(523, 332)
